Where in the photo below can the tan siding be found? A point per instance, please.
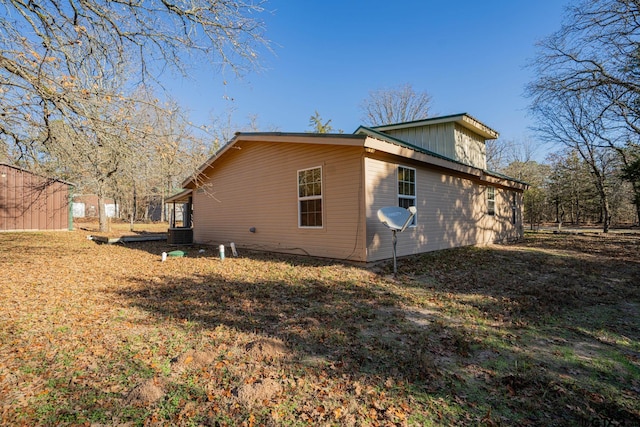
(438, 138)
(255, 185)
(470, 148)
(381, 191)
(452, 211)
(447, 139)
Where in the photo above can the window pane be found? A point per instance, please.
(406, 181)
(311, 213)
(491, 200)
(405, 203)
(310, 189)
(407, 188)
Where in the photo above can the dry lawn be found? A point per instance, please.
(545, 332)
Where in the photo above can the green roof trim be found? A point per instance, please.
(462, 119)
(383, 136)
(503, 176)
(426, 119)
(405, 144)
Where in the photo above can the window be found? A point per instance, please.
(407, 189)
(310, 197)
(491, 200)
(514, 207)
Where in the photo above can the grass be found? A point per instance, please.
(544, 332)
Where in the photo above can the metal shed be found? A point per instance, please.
(30, 202)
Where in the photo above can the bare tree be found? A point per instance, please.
(496, 154)
(395, 105)
(631, 174)
(500, 153)
(56, 58)
(96, 147)
(45, 45)
(573, 119)
(595, 56)
(166, 150)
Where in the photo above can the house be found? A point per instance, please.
(31, 202)
(87, 206)
(318, 194)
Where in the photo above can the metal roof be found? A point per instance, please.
(37, 174)
(361, 133)
(388, 138)
(181, 197)
(463, 119)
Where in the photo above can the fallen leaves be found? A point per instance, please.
(108, 334)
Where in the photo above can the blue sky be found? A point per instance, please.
(470, 56)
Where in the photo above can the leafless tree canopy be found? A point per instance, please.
(587, 93)
(50, 51)
(69, 73)
(396, 105)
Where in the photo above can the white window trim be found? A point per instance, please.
(321, 197)
(414, 221)
(494, 200)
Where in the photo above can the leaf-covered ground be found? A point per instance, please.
(544, 332)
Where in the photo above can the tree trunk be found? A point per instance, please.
(607, 217)
(636, 200)
(102, 214)
(604, 203)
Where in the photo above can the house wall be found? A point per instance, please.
(254, 184)
(470, 148)
(438, 138)
(447, 139)
(452, 211)
(31, 202)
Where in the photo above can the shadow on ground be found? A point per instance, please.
(523, 330)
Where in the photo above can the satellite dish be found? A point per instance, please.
(397, 219)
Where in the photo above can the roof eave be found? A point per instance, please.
(463, 119)
(181, 197)
(62, 181)
(383, 142)
(291, 137)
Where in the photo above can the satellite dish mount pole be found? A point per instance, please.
(396, 219)
(394, 240)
